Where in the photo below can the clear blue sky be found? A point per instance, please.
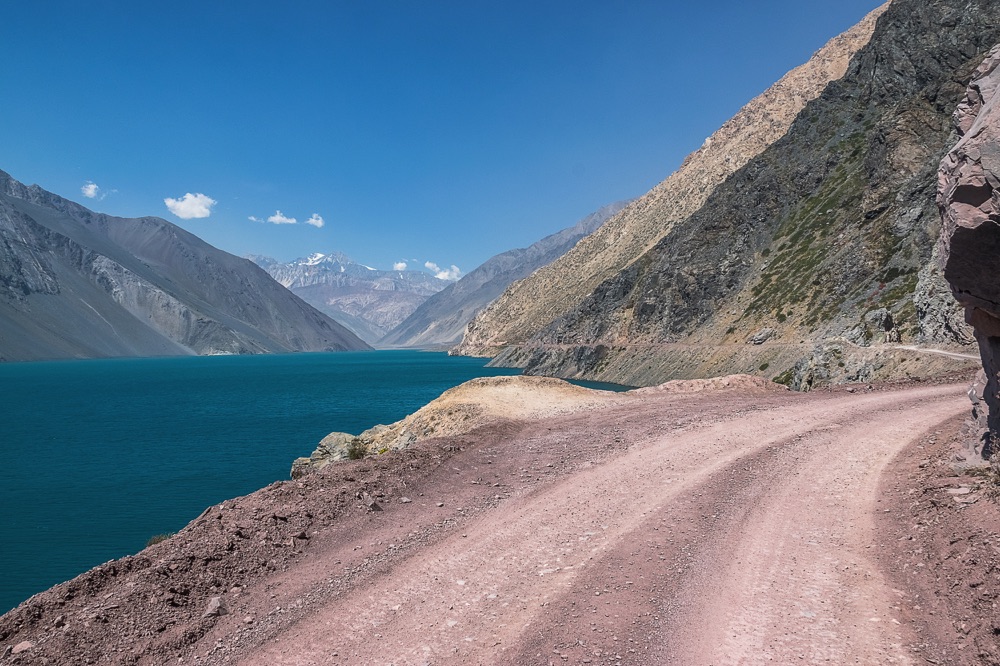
(440, 132)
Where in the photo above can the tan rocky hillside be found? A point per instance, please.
(529, 305)
(814, 263)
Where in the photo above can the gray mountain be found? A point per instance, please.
(80, 284)
(367, 301)
(440, 321)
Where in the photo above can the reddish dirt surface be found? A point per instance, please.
(732, 526)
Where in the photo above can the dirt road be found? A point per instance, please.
(725, 526)
(726, 536)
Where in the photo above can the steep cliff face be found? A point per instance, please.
(969, 200)
(366, 301)
(441, 320)
(528, 306)
(78, 284)
(818, 248)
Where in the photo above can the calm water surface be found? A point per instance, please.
(100, 455)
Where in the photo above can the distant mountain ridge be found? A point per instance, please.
(80, 284)
(367, 301)
(441, 320)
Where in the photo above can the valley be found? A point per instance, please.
(806, 473)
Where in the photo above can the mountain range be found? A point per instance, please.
(797, 243)
(79, 284)
(441, 320)
(367, 301)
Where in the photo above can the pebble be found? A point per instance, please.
(215, 608)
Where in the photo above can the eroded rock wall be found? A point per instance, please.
(969, 199)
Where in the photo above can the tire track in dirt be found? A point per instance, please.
(721, 587)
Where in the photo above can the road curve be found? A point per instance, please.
(729, 529)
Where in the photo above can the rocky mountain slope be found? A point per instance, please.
(366, 301)
(811, 261)
(442, 318)
(80, 284)
(528, 306)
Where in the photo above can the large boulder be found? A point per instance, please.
(969, 199)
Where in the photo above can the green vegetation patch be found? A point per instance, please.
(784, 378)
(805, 240)
(157, 538)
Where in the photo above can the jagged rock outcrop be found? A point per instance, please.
(531, 304)
(367, 301)
(969, 200)
(813, 238)
(441, 320)
(79, 284)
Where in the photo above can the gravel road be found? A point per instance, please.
(729, 531)
(721, 522)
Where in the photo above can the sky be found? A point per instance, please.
(431, 134)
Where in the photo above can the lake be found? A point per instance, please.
(100, 455)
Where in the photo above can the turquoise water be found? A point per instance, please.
(100, 455)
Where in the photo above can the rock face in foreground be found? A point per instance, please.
(969, 199)
(80, 284)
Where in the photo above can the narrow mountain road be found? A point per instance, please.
(719, 528)
(939, 352)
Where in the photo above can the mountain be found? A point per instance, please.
(80, 284)
(441, 319)
(808, 263)
(367, 301)
(530, 305)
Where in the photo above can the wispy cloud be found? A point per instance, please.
(315, 220)
(451, 274)
(91, 190)
(191, 206)
(279, 218)
(399, 266)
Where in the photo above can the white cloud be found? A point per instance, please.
(315, 221)
(279, 218)
(91, 190)
(254, 218)
(191, 206)
(399, 266)
(451, 274)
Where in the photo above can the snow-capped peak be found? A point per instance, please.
(315, 258)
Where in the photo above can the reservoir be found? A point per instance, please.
(100, 455)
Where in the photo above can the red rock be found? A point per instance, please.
(969, 200)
